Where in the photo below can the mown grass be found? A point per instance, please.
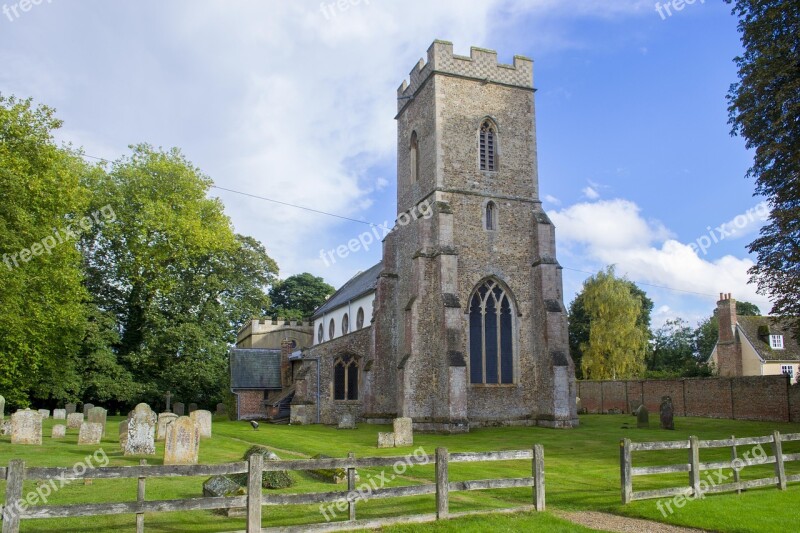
(582, 473)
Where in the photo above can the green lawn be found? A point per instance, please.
(582, 473)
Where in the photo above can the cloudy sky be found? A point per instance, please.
(294, 101)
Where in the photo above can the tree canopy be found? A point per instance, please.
(298, 296)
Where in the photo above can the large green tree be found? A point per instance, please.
(673, 353)
(618, 340)
(299, 295)
(765, 110)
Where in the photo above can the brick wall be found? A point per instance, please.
(768, 398)
(250, 404)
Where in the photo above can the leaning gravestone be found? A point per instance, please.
(403, 432)
(224, 487)
(26, 427)
(183, 442)
(192, 408)
(74, 420)
(91, 433)
(642, 417)
(2, 408)
(86, 408)
(221, 409)
(59, 431)
(164, 420)
(59, 414)
(385, 440)
(347, 421)
(141, 431)
(70, 408)
(98, 415)
(203, 420)
(178, 408)
(667, 413)
(45, 413)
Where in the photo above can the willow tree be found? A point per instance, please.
(618, 340)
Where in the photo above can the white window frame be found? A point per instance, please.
(788, 370)
(776, 342)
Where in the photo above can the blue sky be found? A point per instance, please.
(293, 101)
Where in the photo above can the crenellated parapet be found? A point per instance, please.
(481, 64)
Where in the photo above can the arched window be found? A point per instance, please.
(488, 146)
(413, 157)
(360, 318)
(491, 216)
(491, 337)
(320, 334)
(345, 324)
(345, 378)
(331, 330)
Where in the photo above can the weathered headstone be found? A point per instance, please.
(74, 420)
(90, 433)
(403, 432)
(168, 397)
(667, 413)
(59, 431)
(385, 440)
(45, 413)
(225, 486)
(178, 408)
(203, 420)
(141, 432)
(182, 445)
(86, 408)
(26, 427)
(98, 415)
(347, 421)
(192, 408)
(2, 408)
(59, 414)
(221, 409)
(123, 434)
(164, 419)
(642, 417)
(69, 408)
(5, 427)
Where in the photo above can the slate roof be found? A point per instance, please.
(752, 325)
(255, 369)
(358, 286)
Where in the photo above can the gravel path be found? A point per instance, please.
(621, 524)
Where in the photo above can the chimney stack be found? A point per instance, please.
(729, 351)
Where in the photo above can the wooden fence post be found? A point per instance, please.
(625, 470)
(777, 450)
(14, 479)
(694, 460)
(140, 499)
(255, 470)
(734, 457)
(351, 486)
(442, 484)
(538, 477)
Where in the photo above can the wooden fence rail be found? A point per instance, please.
(17, 473)
(694, 467)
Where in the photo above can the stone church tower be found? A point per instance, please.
(469, 324)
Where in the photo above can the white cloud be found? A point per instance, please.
(590, 193)
(552, 199)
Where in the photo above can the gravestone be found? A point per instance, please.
(385, 440)
(123, 434)
(74, 420)
(69, 408)
(168, 397)
(5, 427)
(203, 420)
(275, 479)
(2, 408)
(164, 420)
(403, 432)
(224, 487)
(98, 415)
(59, 431)
(182, 445)
(45, 413)
(59, 414)
(347, 421)
(642, 417)
(90, 433)
(26, 427)
(667, 413)
(86, 408)
(192, 408)
(178, 409)
(141, 431)
(221, 409)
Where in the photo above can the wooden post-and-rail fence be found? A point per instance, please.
(16, 473)
(694, 467)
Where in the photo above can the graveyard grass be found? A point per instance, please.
(581, 470)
